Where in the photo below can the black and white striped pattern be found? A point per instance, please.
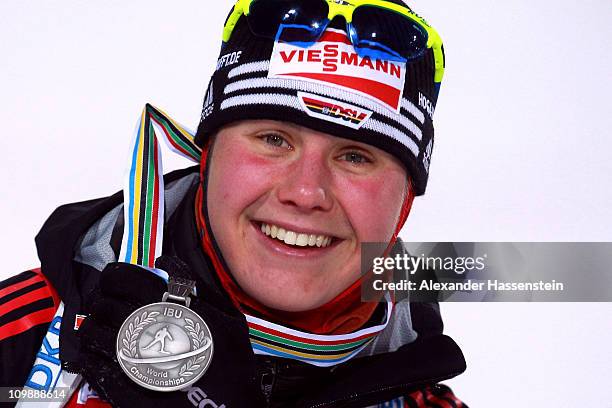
(249, 85)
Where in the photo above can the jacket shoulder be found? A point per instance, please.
(27, 305)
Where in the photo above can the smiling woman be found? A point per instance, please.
(300, 184)
(310, 144)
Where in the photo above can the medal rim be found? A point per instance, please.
(153, 387)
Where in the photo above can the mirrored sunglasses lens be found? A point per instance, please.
(302, 17)
(382, 32)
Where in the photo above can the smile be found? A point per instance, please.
(295, 238)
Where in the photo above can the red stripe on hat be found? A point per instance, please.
(310, 101)
(20, 285)
(27, 322)
(383, 92)
(333, 36)
(25, 299)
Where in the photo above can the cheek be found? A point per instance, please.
(236, 179)
(373, 204)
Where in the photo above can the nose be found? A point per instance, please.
(306, 185)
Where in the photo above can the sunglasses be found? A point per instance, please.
(377, 29)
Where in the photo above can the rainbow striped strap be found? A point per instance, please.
(144, 185)
(144, 212)
(319, 350)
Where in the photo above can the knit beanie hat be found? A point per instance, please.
(328, 88)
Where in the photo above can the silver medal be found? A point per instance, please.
(165, 346)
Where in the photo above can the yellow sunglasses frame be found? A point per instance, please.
(345, 9)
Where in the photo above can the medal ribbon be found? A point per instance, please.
(143, 230)
(144, 185)
(319, 350)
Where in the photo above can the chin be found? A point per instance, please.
(291, 300)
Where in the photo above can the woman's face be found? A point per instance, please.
(289, 208)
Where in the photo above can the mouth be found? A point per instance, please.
(294, 239)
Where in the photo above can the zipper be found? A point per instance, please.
(71, 367)
(355, 397)
(267, 380)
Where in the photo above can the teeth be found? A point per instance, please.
(312, 240)
(302, 240)
(295, 238)
(319, 240)
(290, 237)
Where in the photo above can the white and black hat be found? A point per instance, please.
(327, 88)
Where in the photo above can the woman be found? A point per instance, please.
(316, 136)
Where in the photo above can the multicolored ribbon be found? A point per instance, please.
(144, 185)
(143, 231)
(319, 350)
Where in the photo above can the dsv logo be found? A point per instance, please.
(346, 114)
(198, 398)
(333, 111)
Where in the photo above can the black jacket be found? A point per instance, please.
(78, 239)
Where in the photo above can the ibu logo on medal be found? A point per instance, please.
(164, 346)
